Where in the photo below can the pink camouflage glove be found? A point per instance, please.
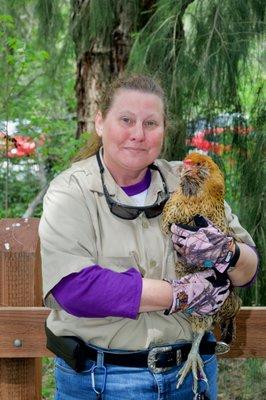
(204, 245)
(198, 294)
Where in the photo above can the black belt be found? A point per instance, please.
(75, 352)
(156, 358)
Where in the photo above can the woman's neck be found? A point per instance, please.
(125, 176)
(130, 178)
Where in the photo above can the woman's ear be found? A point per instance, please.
(99, 123)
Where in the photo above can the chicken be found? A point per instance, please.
(201, 191)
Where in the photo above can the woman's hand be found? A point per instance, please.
(199, 293)
(203, 245)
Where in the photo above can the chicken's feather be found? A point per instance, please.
(201, 191)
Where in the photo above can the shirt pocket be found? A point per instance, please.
(118, 264)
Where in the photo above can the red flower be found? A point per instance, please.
(18, 146)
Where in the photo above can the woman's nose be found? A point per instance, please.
(138, 132)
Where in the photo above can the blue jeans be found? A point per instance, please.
(126, 383)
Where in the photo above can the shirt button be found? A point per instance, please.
(152, 263)
(145, 224)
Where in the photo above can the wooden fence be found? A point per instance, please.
(22, 337)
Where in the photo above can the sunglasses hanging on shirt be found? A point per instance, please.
(131, 212)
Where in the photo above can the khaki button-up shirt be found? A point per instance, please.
(77, 230)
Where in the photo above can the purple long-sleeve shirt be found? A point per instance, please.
(97, 292)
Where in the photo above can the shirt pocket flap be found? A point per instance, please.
(118, 264)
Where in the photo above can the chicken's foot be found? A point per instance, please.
(193, 363)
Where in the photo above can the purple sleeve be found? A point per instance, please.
(253, 280)
(97, 292)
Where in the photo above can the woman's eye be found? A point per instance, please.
(126, 120)
(151, 124)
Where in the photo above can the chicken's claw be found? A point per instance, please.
(194, 364)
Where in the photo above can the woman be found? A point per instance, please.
(106, 262)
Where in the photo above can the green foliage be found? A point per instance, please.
(205, 47)
(21, 187)
(252, 207)
(51, 21)
(37, 91)
(96, 22)
(101, 16)
(48, 381)
(61, 148)
(207, 54)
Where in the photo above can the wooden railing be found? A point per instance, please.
(26, 324)
(22, 337)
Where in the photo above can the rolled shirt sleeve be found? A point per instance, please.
(66, 232)
(240, 233)
(243, 236)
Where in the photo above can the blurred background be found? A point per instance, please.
(58, 56)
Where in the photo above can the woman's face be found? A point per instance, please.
(132, 131)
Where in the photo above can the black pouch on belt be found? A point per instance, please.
(70, 348)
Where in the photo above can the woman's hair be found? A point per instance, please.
(141, 83)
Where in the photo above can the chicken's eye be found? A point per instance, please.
(198, 164)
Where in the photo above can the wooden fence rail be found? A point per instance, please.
(22, 337)
(26, 325)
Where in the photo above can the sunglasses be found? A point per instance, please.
(131, 212)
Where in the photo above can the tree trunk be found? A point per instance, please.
(93, 74)
(100, 62)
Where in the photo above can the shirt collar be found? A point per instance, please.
(91, 169)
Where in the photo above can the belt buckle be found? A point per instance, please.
(152, 358)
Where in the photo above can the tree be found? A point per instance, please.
(206, 54)
(102, 36)
(37, 96)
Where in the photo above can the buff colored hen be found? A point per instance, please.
(201, 191)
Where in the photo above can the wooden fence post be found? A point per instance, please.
(20, 285)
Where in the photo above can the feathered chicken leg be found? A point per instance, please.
(193, 363)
